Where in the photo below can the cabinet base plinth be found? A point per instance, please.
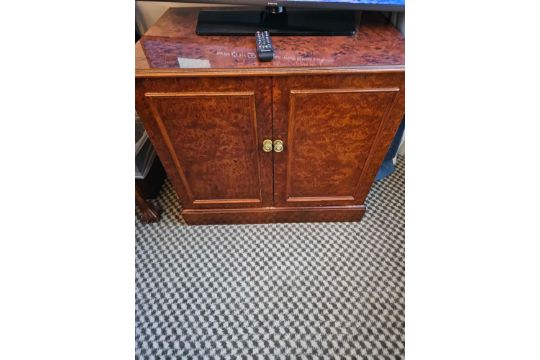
(274, 215)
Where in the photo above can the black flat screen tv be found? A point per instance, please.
(369, 5)
(288, 17)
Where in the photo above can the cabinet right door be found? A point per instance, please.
(336, 130)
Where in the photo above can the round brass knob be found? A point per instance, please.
(278, 146)
(267, 145)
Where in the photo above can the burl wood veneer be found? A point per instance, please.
(208, 105)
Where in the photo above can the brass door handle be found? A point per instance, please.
(267, 145)
(278, 146)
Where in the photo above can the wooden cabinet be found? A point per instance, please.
(208, 127)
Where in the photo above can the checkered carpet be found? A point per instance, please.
(276, 291)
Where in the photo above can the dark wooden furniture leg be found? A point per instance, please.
(149, 213)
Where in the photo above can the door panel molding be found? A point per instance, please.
(332, 129)
(202, 199)
(294, 93)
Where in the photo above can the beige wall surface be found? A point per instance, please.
(148, 12)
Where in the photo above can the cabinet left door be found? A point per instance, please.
(208, 133)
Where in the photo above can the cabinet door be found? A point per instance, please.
(336, 131)
(209, 132)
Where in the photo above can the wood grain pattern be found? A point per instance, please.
(337, 118)
(207, 144)
(330, 126)
(377, 45)
(211, 140)
(274, 215)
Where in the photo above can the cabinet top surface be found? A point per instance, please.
(171, 45)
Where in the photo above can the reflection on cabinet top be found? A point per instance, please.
(171, 47)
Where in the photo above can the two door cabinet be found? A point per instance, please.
(298, 138)
(272, 148)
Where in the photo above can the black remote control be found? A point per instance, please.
(265, 51)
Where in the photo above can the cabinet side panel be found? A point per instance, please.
(142, 106)
(388, 130)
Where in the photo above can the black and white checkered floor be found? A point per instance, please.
(276, 291)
